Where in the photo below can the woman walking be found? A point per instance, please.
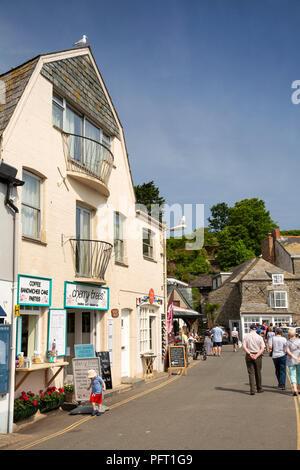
(293, 360)
(207, 341)
(279, 345)
(270, 335)
(235, 339)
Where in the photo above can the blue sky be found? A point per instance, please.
(202, 88)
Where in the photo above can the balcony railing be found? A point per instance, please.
(91, 257)
(87, 156)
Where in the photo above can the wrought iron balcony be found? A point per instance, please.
(91, 258)
(87, 157)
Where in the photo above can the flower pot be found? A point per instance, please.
(24, 413)
(69, 397)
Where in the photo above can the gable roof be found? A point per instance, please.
(73, 75)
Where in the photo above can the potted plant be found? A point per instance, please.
(52, 398)
(69, 392)
(26, 405)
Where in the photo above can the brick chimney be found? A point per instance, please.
(267, 246)
(267, 249)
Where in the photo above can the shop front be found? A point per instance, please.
(260, 318)
(150, 312)
(85, 305)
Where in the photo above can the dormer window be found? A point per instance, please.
(277, 279)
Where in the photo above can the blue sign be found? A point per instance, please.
(84, 350)
(5, 334)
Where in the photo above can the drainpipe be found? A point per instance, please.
(11, 390)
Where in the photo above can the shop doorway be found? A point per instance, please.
(80, 329)
(125, 343)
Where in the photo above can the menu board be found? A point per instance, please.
(177, 358)
(4, 357)
(57, 330)
(105, 368)
(80, 374)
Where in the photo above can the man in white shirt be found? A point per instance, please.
(254, 347)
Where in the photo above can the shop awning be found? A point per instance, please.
(179, 312)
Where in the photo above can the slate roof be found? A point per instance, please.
(256, 269)
(75, 77)
(291, 244)
(15, 83)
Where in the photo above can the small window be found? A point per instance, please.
(277, 279)
(147, 243)
(106, 140)
(57, 111)
(119, 237)
(31, 205)
(278, 299)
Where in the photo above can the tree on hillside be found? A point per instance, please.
(148, 195)
(219, 218)
(251, 221)
(231, 251)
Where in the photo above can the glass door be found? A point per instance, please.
(83, 244)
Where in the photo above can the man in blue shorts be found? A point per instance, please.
(217, 333)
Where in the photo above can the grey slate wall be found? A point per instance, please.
(77, 80)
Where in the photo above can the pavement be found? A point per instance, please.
(209, 409)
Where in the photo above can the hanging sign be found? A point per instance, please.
(34, 291)
(57, 330)
(86, 296)
(151, 296)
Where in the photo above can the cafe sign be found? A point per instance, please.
(34, 291)
(86, 296)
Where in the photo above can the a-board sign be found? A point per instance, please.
(105, 368)
(177, 358)
(5, 336)
(80, 374)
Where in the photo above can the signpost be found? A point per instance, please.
(177, 358)
(86, 296)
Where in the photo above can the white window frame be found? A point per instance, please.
(150, 246)
(38, 209)
(276, 297)
(147, 314)
(277, 279)
(59, 101)
(119, 243)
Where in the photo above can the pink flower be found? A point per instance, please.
(41, 394)
(25, 398)
(34, 403)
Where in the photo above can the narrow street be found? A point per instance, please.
(210, 409)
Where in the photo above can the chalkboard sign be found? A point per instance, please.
(177, 358)
(105, 368)
(4, 357)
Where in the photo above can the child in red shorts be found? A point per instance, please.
(98, 385)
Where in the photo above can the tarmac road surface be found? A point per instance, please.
(210, 409)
